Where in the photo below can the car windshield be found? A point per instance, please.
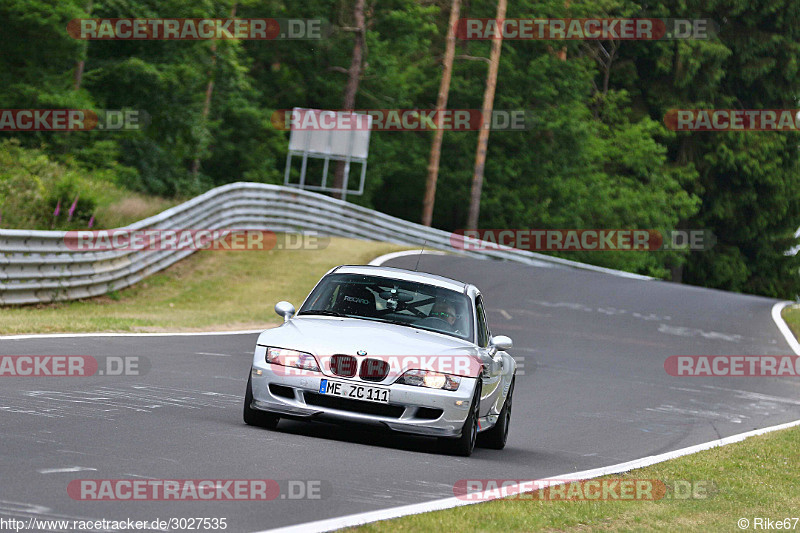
(406, 303)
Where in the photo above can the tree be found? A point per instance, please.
(353, 77)
(749, 182)
(483, 135)
(441, 105)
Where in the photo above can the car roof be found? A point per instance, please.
(403, 274)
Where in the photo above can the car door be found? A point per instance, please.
(492, 363)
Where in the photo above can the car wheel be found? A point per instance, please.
(254, 417)
(464, 444)
(496, 437)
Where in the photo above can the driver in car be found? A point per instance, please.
(444, 310)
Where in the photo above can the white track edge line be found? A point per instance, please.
(112, 334)
(380, 260)
(449, 503)
(358, 519)
(784, 327)
(375, 262)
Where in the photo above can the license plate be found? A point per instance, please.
(354, 391)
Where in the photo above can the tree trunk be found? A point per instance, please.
(441, 105)
(682, 158)
(353, 77)
(81, 64)
(207, 101)
(483, 134)
(78, 74)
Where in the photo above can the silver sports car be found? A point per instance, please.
(407, 350)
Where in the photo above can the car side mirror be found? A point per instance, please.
(501, 342)
(284, 309)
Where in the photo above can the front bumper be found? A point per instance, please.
(417, 410)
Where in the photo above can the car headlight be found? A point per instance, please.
(430, 379)
(293, 358)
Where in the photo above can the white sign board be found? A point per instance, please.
(337, 133)
(328, 135)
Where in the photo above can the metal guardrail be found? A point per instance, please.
(37, 266)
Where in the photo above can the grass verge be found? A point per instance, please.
(753, 478)
(210, 290)
(791, 314)
(122, 208)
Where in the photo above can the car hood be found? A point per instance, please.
(324, 336)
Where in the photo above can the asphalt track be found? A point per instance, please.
(592, 392)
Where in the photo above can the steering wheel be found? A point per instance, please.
(436, 321)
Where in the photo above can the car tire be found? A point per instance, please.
(255, 417)
(496, 437)
(464, 444)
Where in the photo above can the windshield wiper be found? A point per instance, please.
(397, 323)
(416, 326)
(323, 312)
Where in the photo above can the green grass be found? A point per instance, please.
(791, 314)
(754, 478)
(210, 290)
